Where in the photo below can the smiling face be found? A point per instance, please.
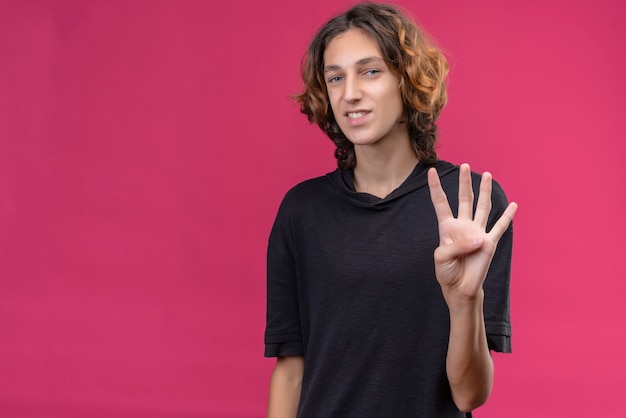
(364, 93)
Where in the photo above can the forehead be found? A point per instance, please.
(349, 47)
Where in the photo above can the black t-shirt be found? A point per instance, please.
(351, 287)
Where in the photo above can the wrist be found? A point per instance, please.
(462, 304)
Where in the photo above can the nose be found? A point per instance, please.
(352, 92)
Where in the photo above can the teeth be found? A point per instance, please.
(354, 115)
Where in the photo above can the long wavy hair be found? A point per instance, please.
(408, 52)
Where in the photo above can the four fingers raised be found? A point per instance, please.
(466, 201)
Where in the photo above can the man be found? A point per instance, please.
(382, 302)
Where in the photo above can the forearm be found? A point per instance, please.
(468, 364)
(285, 387)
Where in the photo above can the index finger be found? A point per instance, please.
(438, 196)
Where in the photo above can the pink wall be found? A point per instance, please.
(144, 149)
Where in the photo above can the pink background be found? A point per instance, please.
(145, 147)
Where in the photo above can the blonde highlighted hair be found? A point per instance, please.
(422, 69)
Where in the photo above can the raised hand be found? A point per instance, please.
(465, 248)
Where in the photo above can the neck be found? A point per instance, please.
(380, 170)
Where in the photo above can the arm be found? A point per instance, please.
(468, 363)
(285, 387)
(461, 263)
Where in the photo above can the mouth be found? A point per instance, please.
(356, 114)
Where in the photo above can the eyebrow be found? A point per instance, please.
(362, 61)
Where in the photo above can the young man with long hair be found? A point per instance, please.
(388, 279)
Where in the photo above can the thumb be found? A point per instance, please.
(454, 250)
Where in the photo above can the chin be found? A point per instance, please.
(362, 142)
(363, 139)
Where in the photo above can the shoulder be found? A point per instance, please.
(305, 198)
(302, 204)
(307, 188)
(306, 193)
(499, 200)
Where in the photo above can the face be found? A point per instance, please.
(364, 94)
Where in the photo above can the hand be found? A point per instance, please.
(465, 248)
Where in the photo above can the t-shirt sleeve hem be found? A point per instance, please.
(499, 343)
(499, 337)
(283, 349)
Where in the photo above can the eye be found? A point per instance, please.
(334, 79)
(371, 72)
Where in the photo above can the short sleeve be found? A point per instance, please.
(497, 282)
(283, 335)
